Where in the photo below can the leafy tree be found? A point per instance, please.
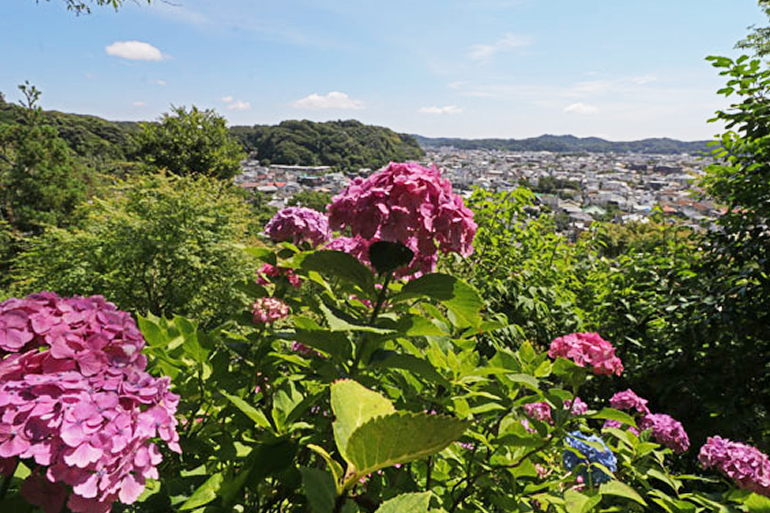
(40, 179)
(316, 200)
(758, 40)
(194, 142)
(81, 7)
(157, 244)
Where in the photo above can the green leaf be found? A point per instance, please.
(757, 503)
(341, 265)
(460, 298)
(619, 489)
(285, 401)
(389, 256)
(400, 437)
(416, 326)
(334, 466)
(612, 414)
(319, 489)
(259, 418)
(393, 360)
(576, 502)
(407, 503)
(205, 493)
(336, 323)
(353, 405)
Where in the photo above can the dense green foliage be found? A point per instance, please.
(40, 180)
(569, 144)
(346, 145)
(311, 199)
(194, 142)
(158, 244)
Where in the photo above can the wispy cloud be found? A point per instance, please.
(160, 82)
(581, 108)
(239, 105)
(447, 109)
(233, 104)
(482, 52)
(134, 51)
(138, 104)
(332, 100)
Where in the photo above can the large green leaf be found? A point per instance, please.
(337, 323)
(382, 359)
(400, 437)
(254, 414)
(407, 503)
(319, 489)
(612, 414)
(353, 405)
(340, 265)
(313, 335)
(460, 298)
(205, 493)
(619, 489)
(388, 256)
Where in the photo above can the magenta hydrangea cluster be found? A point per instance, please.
(628, 400)
(667, 431)
(542, 411)
(271, 271)
(267, 310)
(299, 224)
(746, 465)
(587, 349)
(406, 203)
(75, 399)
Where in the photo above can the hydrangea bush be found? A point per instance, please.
(366, 389)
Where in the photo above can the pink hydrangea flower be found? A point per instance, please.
(76, 401)
(628, 400)
(267, 310)
(272, 271)
(542, 411)
(406, 203)
(299, 224)
(667, 431)
(746, 465)
(587, 349)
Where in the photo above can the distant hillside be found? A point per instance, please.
(569, 144)
(348, 145)
(86, 135)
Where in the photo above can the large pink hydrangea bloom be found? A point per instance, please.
(667, 431)
(746, 465)
(587, 349)
(299, 224)
(75, 398)
(406, 203)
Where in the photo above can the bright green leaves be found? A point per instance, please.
(462, 300)
(254, 414)
(407, 503)
(353, 405)
(340, 265)
(400, 438)
(371, 435)
(619, 489)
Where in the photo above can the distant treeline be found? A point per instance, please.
(569, 144)
(348, 145)
(88, 136)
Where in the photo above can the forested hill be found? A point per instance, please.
(569, 144)
(86, 135)
(343, 144)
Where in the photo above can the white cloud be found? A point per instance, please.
(139, 104)
(581, 108)
(160, 82)
(134, 51)
(447, 109)
(227, 99)
(484, 52)
(333, 100)
(644, 79)
(239, 105)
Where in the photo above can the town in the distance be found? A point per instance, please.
(579, 188)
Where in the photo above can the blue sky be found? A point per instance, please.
(619, 69)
